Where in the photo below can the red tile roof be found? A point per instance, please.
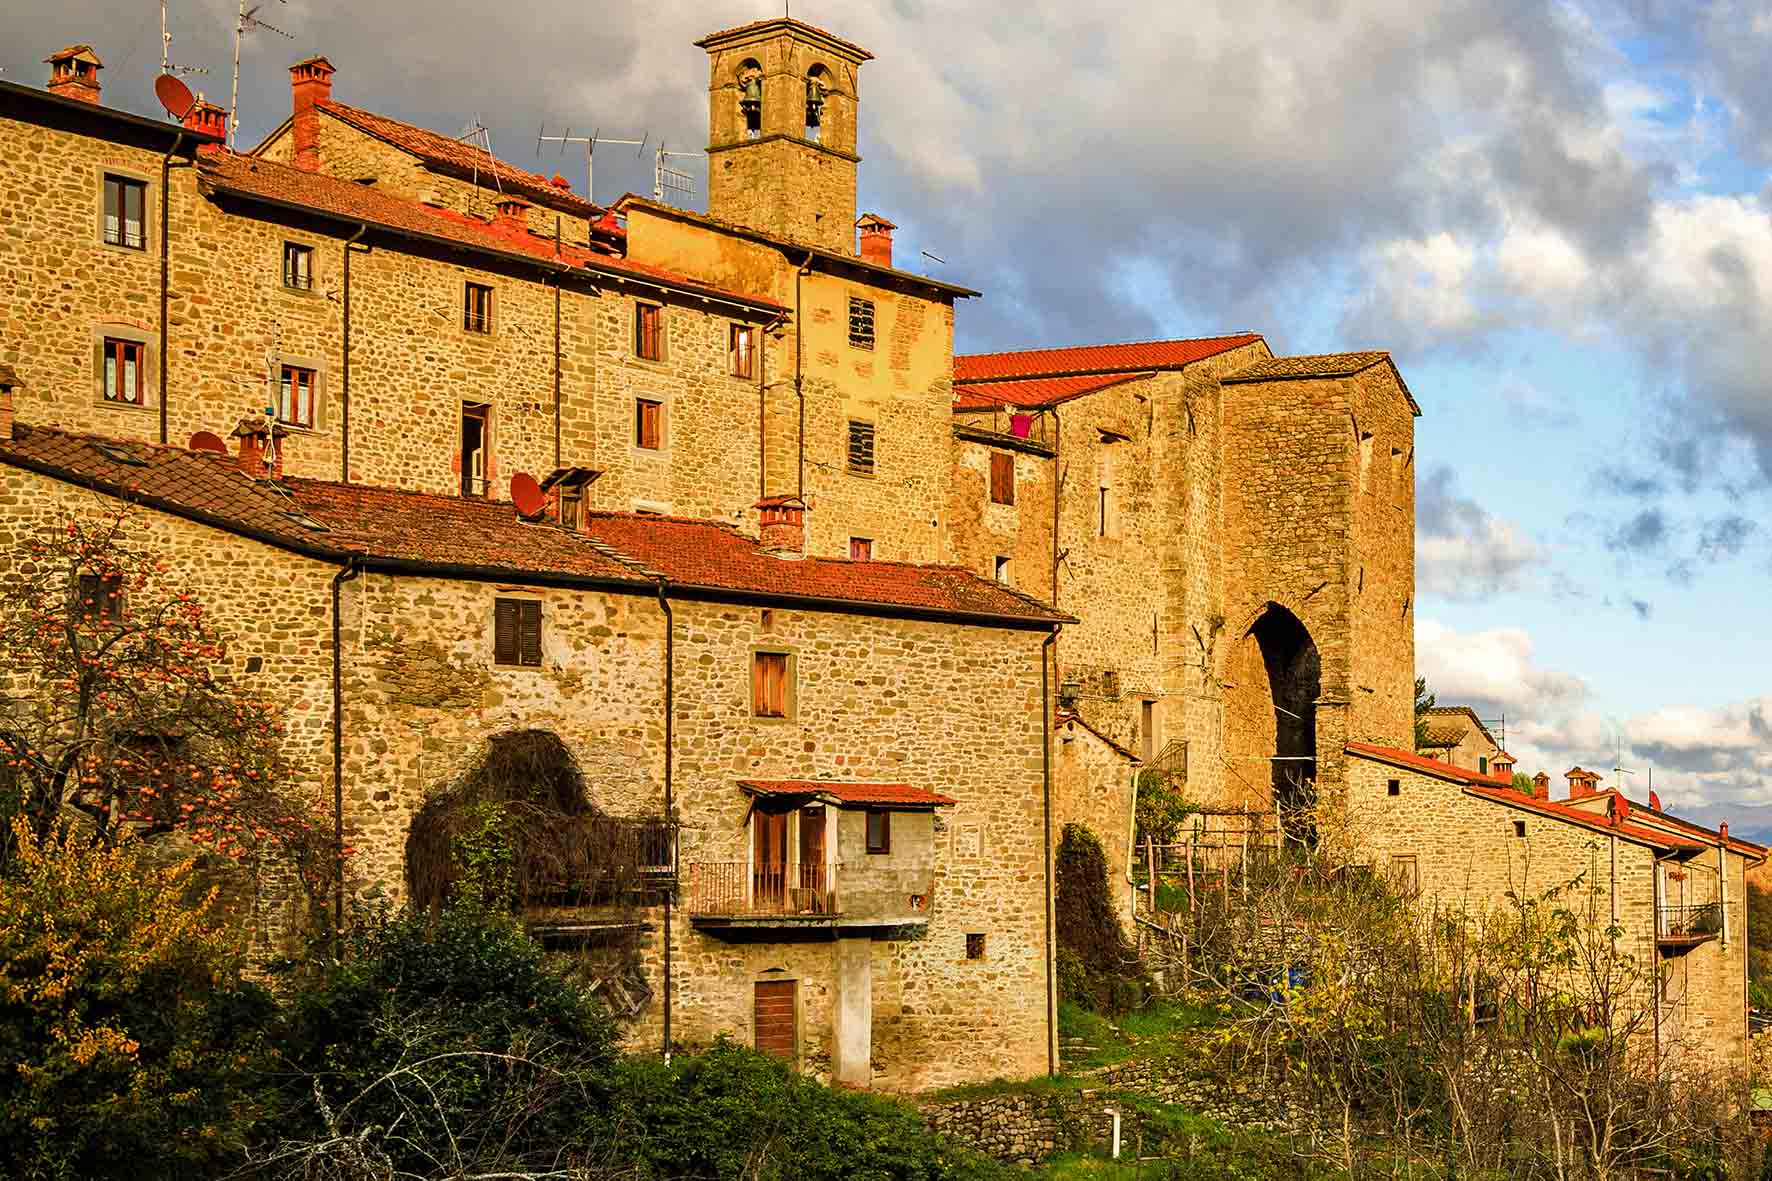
(1418, 762)
(463, 158)
(895, 795)
(1036, 392)
(282, 184)
(1746, 848)
(1095, 358)
(453, 536)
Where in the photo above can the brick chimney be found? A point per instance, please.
(1581, 783)
(206, 117)
(1620, 809)
(73, 73)
(1502, 765)
(8, 382)
(1541, 786)
(783, 525)
(254, 436)
(310, 83)
(876, 239)
(512, 216)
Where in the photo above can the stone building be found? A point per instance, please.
(1456, 735)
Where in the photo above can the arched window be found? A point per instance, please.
(750, 98)
(818, 85)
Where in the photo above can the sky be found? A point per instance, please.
(1556, 216)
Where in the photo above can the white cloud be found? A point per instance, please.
(1462, 550)
(1492, 670)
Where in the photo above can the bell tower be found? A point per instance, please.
(781, 131)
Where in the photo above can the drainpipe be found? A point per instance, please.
(1057, 443)
(350, 571)
(1046, 804)
(664, 604)
(799, 374)
(165, 269)
(344, 463)
(557, 464)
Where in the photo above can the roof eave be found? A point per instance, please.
(174, 135)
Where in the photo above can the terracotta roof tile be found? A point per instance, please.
(1418, 762)
(1095, 358)
(464, 159)
(1319, 365)
(901, 795)
(335, 522)
(1034, 392)
(753, 26)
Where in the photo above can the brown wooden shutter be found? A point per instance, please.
(504, 631)
(529, 633)
(774, 1008)
(1002, 478)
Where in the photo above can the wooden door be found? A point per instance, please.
(812, 822)
(769, 858)
(774, 1010)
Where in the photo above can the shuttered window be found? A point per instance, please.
(298, 266)
(861, 549)
(516, 632)
(123, 371)
(648, 424)
(1002, 478)
(740, 345)
(861, 322)
(861, 448)
(769, 685)
(1406, 874)
(648, 332)
(295, 396)
(101, 598)
(476, 308)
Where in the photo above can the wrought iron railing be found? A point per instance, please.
(738, 889)
(1699, 921)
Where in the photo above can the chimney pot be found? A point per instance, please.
(512, 216)
(876, 239)
(206, 117)
(1541, 786)
(73, 73)
(310, 84)
(254, 436)
(782, 524)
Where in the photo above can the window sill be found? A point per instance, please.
(658, 453)
(304, 292)
(772, 720)
(130, 251)
(859, 475)
(110, 405)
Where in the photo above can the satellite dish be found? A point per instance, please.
(531, 501)
(205, 441)
(174, 95)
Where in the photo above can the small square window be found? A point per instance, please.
(1519, 828)
(861, 549)
(101, 599)
(741, 341)
(861, 322)
(476, 308)
(861, 448)
(1000, 571)
(648, 332)
(1393, 788)
(571, 506)
(769, 685)
(295, 396)
(1406, 874)
(298, 266)
(126, 203)
(516, 632)
(123, 371)
(879, 832)
(1482, 764)
(1002, 478)
(648, 424)
(974, 946)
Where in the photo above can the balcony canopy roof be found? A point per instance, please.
(847, 794)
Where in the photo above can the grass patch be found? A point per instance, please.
(1178, 1145)
(1150, 1031)
(1040, 1085)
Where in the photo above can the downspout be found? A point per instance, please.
(670, 804)
(799, 375)
(1057, 443)
(557, 464)
(344, 463)
(1046, 805)
(165, 265)
(350, 571)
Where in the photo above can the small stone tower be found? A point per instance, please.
(781, 131)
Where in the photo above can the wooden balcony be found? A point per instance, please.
(1678, 929)
(735, 895)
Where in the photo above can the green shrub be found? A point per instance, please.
(1097, 967)
(733, 1112)
(127, 1035)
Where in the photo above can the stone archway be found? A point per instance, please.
(1273, 678)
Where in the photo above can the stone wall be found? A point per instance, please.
(1023, 1128)
(1092, 786)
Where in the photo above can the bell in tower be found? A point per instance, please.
(782, 101)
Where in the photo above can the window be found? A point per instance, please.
(648, 424)
(879, 832)
(1405, 873)
(123, 371)
(476, 308)
(1482, 764)
(1393, 787)
(861, 549)
(861, 322)
(101, 599)
(1002, 478)
(1366, 462)
(975, 946)
(571, 506)
(295, 396)
(861, 448)
(750, 98)
(1147, 729)
(648, 332)
(516, 632)
(476, 424)
(741, 359)
(769, 685)
(125, 204)
(298, 266)
(1519, 828)
(1000, 569)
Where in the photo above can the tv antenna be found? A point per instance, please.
(166, 66)
(1620, 770)
(666, 179)
(590, 142)
(249, 22)
(480, 136)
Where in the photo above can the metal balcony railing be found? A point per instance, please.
(735, 889)
(1689, 923)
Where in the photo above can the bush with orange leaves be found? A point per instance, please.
(130, 1040)
(122, 712)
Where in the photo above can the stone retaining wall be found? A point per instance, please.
(1024, 1129)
